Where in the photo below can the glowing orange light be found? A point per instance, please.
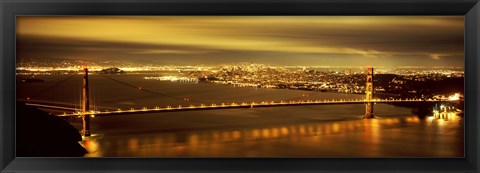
(454, 97)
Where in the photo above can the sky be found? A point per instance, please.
(276, 40)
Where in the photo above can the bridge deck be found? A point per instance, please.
(224, 106)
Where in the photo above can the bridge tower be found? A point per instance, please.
(369, 90)
(85, 104)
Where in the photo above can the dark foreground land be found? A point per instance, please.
(40, 134)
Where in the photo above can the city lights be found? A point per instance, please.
(456, 96)
(254, 86)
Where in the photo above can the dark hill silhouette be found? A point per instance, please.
(40, 134)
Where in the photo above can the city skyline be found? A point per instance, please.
(278, 40)
(240, 86)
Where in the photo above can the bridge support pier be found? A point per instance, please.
(369, 110)
(86, 125)
(369, 93)
(85, 105)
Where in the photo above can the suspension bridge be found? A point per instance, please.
(77, 112)
(85, 113)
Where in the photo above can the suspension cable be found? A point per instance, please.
(148, 91)
(54, 85)
(300, 97)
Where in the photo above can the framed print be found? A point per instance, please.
(240, 86)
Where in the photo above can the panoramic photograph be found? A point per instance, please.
(240, 86)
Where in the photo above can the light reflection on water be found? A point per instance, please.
(306, 131)
(440, 135)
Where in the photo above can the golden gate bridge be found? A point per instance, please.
(85, 113)
(77, 112)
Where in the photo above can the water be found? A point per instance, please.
(297, 131)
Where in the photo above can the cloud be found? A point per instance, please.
(435, 56)
(392, 37)
(368, 53)
(164, 51)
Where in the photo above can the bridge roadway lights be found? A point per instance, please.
(79, 114)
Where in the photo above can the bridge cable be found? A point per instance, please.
(54, 85)
(149, 91)
(301, 97)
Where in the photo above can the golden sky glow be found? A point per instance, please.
(309, 40)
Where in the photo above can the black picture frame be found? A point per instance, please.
(11, 8)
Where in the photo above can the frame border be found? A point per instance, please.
(12, 8)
